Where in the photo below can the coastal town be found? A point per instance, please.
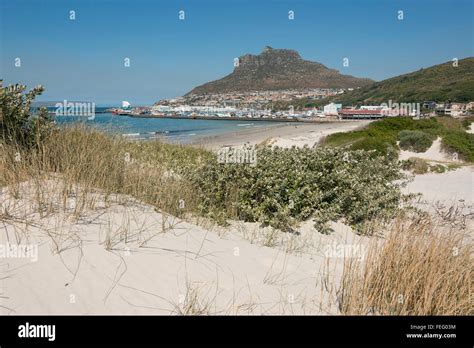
(259, 105)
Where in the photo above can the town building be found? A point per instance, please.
(332, 109)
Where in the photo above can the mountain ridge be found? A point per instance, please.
(278, 69)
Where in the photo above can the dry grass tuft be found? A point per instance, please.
(86, 162)
(417, 270)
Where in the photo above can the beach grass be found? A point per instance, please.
(86, 160)
(419, 269)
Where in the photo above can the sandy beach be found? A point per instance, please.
(240, 269)
(283, 135)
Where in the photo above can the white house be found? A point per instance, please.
(332, 109)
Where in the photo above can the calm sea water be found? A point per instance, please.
(181, 131)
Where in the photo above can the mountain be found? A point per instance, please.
(276, 69)
(443, 82)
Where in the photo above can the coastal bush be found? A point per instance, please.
(290, 185)
(415, 140)
(415, 165)
(438, 168)
(382, 145)
(459, 142)
(18, 125)
(466, 123)
(382, 135)
(450, 123)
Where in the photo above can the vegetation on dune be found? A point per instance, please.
(467, 122)
(461, 143)
(284, 187)
(416, 141)
(420, 269)
(84, 161)
(415, 165)
(381, 136)
(291, 185)
(417, 135)
(422, 166)
(17, 125)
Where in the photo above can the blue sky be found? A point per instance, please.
(84, 59)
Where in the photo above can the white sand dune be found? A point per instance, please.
(283, 135)
(434, 153)
(128, 258)
(452, 191)
(312, 137)
(158, 272)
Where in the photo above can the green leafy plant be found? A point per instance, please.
(415, 165)
(415, 140)
(459, 142)
(17, 124)
(290, 185)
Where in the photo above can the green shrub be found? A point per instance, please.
(290, 185)
(459, 142)
(466, 123)
(415, 140)
(452, 166)
(438, 168)
(381, 146)
(415, 165)
(17, 125)
(381, 135)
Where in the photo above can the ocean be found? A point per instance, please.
(174, 130)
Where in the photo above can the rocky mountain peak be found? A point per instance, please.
(275, 69)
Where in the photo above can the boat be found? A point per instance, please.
(124, 110)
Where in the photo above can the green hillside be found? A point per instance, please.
(441, 83)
